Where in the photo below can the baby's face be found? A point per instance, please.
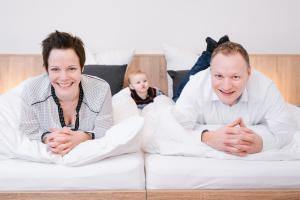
(139, 83)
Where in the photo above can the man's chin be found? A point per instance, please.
(227, 101)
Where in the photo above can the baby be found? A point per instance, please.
(141, 93)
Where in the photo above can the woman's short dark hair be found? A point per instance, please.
(62, 40)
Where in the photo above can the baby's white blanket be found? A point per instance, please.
(162, 134)
(122, 138)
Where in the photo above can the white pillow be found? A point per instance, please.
(152, 113)
(120, 139)
(123, 106)
(9, 115)
(177, 59)
(295, 111)
(114, 57)
(13, 143)
(170, 86)
(89, 58)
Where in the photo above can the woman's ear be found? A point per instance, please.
(130, 86)
(45, 68)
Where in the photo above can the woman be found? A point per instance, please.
(63, 107)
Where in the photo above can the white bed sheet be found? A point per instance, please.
(120, 172)
(179, 172)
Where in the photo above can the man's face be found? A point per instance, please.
(229, 76)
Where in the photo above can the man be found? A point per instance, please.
(237, 111)
(202, 63)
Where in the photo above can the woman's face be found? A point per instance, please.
(64, 73)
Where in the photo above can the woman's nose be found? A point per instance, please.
(63, 75)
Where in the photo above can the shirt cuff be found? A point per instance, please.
(44, 136)
(205, 130)
(90, 134)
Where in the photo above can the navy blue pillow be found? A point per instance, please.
(177, 77)
(112, 74)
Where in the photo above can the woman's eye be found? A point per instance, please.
(72, 68)
(54, 69)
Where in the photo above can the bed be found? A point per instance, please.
(175, 177)
(179, 172)
(179, 177)
(125, 172)
(115, 177)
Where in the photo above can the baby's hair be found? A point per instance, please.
(129, 74)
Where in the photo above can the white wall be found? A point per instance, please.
(262, 26)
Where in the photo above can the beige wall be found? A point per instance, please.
(284, 70)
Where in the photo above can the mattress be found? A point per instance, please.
(115, 173)
(179, 172)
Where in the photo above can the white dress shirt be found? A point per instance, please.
(261, 106)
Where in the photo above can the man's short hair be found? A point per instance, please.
(229, 48)
(62, 40)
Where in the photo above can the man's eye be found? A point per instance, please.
(236, 77)
(218, 76)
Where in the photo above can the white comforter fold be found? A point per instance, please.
(164, 135)
(161, 133)
(122, 138)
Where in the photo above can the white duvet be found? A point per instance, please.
(122, 138)
(162, 134)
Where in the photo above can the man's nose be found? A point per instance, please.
(227, 84)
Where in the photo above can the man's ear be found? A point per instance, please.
(249, 69)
